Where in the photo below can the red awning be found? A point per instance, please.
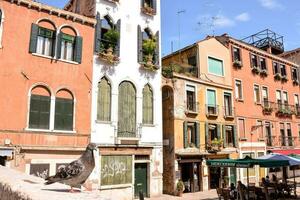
(287, 151)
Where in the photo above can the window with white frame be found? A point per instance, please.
(256, 94)
(265, 96)
(241, 128)
(238, 89)
(215, 66)
(45, 41)
(67, 47)
(297, 106)
(190, 98)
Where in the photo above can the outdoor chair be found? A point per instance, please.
(219, 192)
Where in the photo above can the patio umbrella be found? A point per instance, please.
(292, 162)
(247, 162)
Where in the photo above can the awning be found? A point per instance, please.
(246, 163)
(275, 156)
(6, 152)
(287, 151)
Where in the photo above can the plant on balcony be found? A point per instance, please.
(167, 71)
(149, 47)
(284, 78)
(296, 82)
(264, 72)
(180, 187)
(216, 144)
(255, 70)
(110, 40)
(277, 76)
(285, 112)
(147, 9)
(267, 110)
(237, 64)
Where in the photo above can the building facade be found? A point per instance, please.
(266, 89)
(198, 116)
(45, 53)
(126, 95)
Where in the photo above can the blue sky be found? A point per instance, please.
(238, 18)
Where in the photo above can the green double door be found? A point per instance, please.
(140, 179)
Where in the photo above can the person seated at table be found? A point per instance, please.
(267, 179)
(241, 185)
(274, 178)
(263, 182)
(233, 192)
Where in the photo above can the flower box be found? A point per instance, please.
(277, 76)
(255, 70)
(148, 10)
(237, 64)
(264, 72)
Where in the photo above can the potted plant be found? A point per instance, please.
(277, 76)
(149, 47)
(295, 82)
(264, 72)
(216, 144)
(180, 187)
(147, 9)
(267, 110)
(237, 63)
(255, 70)
(284, 78)
(108, 45)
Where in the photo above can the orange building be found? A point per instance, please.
(46, 57)
(266, 89)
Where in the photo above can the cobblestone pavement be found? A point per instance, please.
(208, 195)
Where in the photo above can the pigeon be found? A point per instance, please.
(76, 173)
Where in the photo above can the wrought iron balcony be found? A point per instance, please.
(229, 112)
(297, 111)
(192, 107)
(212, 110)
(284, 110)
(288, 141)
(268, 107)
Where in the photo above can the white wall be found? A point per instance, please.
(128, 69)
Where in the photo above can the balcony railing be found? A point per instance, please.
(192, 107)
(297, 110)
(229, 112)
(214, 145)
(284, 110)
(288, 141)
(212, 110)
(270, 140)
(268, 107)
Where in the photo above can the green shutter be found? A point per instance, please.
(211, 97)
(197, 136)
(206, 134)
(157, 57)
(78, 49)
(147, 105)
(185, 135)
(58, 48)
(215, 66)
(235, 137)
(104, 100)
(140, 44)
(39, 112)
(33, 38)
(63, 114)
(118, 28)
(154, 5)
(97, 34)
(127, 110)
(224, 136)
(219, 131)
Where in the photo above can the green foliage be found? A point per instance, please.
(149, 46)
(112, 37)
(180, 186)
(217, 142)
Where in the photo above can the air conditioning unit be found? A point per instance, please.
(7, 142)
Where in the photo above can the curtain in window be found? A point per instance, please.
(40, 42)
(215, 66)
(104, 100)
(127, 110)
(211, 97)
(69, 51)
(147, 105)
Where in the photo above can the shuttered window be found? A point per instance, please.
(63, 114)
(45, 41)
(104, 100)
(147, 105)
(39, 112)
(215, 66)
(127, 110)
(67, 47)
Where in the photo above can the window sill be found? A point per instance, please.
(68, 61)
(48, 130)
(240, 100)
(103, 122)
(43, 56)
(257, 103)
(148, 125)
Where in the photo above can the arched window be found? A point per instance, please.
(127, 110)
(106, 25)
(42, 38)
(67, 43)
(39, 113)
(64, 110)
(147, 105)
(104, 100)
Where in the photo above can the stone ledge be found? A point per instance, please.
(15, 185)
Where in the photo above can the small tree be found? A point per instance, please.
(111, 38)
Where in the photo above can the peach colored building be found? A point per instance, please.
(198, 116)
(266, 89)
(46, 59)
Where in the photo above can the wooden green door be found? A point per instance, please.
(140, 180)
